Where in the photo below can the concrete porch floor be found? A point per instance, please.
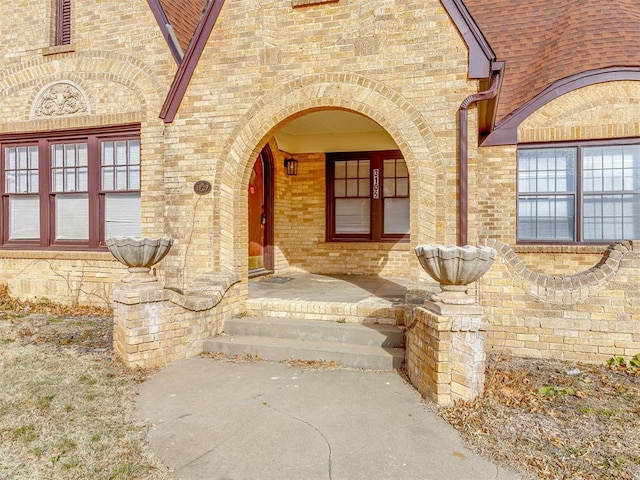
(312, 287)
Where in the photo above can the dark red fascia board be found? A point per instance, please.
(163, 21)
(190, 61)
(481, 55)
(505, 132)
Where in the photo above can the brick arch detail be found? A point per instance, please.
(562, 289)
(558, 119)
(81, 69)
(388, 108)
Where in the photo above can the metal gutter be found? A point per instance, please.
(463, 153)
(190, 61)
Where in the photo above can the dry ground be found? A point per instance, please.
(556, 420)
(66, 406)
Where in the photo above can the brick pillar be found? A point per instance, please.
(445, 357)
(138, 310)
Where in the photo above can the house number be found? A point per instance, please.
(202, 187)
(376, 183)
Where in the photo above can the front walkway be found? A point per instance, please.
(220, 419)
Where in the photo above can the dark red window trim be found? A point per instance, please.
(376, 233)
(92, 136)
(578, 145)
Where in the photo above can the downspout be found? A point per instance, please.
(463, 161)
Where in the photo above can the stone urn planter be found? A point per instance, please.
(454, 268)
(139, 254)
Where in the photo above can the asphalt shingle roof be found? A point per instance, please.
(543, 41)
(184, 16)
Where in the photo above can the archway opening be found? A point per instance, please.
(347, 208)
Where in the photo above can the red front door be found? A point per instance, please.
(260, 215)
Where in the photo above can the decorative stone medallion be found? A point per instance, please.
(60, 99)
(202, 187)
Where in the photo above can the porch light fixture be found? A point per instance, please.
(291, 166)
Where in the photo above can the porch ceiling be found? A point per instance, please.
(333, 131)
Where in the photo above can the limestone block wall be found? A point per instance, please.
(588, 316)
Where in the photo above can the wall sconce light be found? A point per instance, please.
(291, 166)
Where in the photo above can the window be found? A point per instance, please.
(63, 22)
(70, 190)
(582, 193)
(367, 196)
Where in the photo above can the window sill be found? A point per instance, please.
(56, 254)
(595, 249)
(57, 49)
(401, 245)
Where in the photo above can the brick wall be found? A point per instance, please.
(273, 63)
(121, 64)
(589, 324)
(588, 316)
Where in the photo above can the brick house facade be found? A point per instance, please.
(212, 86)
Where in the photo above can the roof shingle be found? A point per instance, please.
(184, 16)
(543, 41)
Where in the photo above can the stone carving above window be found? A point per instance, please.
(60, 99)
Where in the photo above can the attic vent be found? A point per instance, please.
(307, 3)
(63, 22)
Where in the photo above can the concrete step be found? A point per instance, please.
(279, 349)
(370, 346)
(322, 331)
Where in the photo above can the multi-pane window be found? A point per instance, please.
(367, 196)
(70, 190)
(584, 193)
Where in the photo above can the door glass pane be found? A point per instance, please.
(396, 215)
(353, 215)
(122, 215)
(24, 217)
(72, 217)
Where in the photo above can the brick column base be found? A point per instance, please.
(445, 357)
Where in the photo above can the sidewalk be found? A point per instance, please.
(218, 419)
